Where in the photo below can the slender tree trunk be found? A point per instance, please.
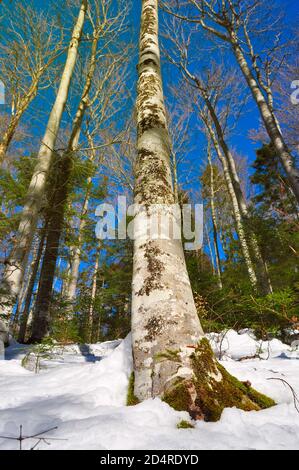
(270, 121)
(210, 250)
(41, 315)
(71, 285)
(214, 218)
(262, 272)
(75, 258)
(175, 176)
(94, 319)
(41, 318)
(236, 210)
(14, 272)
(29, 293)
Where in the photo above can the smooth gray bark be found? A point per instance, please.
(164, 315)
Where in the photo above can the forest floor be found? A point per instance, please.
(82, 391)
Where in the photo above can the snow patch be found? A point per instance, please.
(83, 392)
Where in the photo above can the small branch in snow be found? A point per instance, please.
(37, 436)
(295, 397)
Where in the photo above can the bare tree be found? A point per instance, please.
(31, 44)
(106, 26)
(236, 22)
(15, 265)
(212, 89)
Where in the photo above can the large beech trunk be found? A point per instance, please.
(15, 266)
(164, 315)
(172, 360)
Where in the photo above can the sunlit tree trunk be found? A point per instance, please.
(163, 310)
(214, 218)
(32, 281)
(262, 273)
(93, 321)
(14, 272)
(270, 121)
(236, 210)
(9, 133)
(172, 360)
(41, 318)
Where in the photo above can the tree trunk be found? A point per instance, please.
(236, 210)
(29, 293)
(172, 360)
(270, 121)
(14, 272)
(262, 272)
(162, 300)
(41, 315)
(214, 218)
(72, 281)
(75, 258)
(41, 318)
(210, 250)
(94, 318)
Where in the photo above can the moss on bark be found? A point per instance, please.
(131, 398)
(212, 388)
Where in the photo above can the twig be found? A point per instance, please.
(295, 397)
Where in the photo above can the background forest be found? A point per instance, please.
(67, 144)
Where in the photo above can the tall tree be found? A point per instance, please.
(171, 358)
(234, 23)
(214, 216)
(15, 266)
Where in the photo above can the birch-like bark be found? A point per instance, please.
(269, 119)
(265, 286)
(14, 272)
(93, 321)
(29, 293)
(164, 315)
(41, 317)
(72, 280)
(214, 218)
(236, 210)
(232, 18)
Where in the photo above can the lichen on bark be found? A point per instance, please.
(211, 389)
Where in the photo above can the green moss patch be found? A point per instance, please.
(212, 389)
(131, 398)
(184, 425)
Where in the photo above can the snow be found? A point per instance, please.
(82, 391)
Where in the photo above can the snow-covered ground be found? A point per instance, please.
(83, 392)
